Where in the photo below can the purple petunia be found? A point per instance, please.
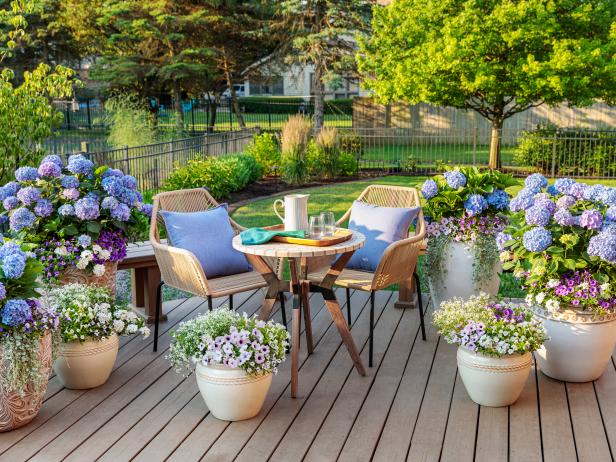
(475, 204)
(87, 209)
(49, 170)
(79, 164)
(16, 312)
(535, 182)
(429, 189)
(537, 239)
(28, 195)
(21, 218)
(538, 216)
(70, 182)
(43, 208)
(591, 219)
(455, 179)
(26, 174)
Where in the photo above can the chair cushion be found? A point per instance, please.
(208, 236)
(381, 226)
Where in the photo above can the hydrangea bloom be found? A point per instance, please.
(578, 190)
(551, 190)
(129, 182)
(43, 208)
(79, 164)
(70, 182)
(608, 196)
(70, 194)
(610, 214)
(10, 203)
(11, 248)
(113, 172)
(13, 265)
(2, 292)
(113, 186)
(84, 240)
(28, 195)
(455, 179)
(66, 210)
(603, 245)
(566, 201)
(146, 208)
(53, 159)
(563, 185)
(11, 188)
(522, 201)
(501, 239)
(544, 201)
(538, 216)
(499, 199)
(475, 204)
(564, 218)
(591, 219)
(535, 182)
(49, 170)
(537, 239)
(121, 212)
(21, 218)
(16, 312)
(593, 192)
(26, 174)
(429, 189)
(87, 209)
(109, 203)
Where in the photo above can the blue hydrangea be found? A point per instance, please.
(121, 212)
(578, 190)
(113, 172)
(593, 192)
(87, 209)
(21, 218)
(109, 203)
(28, 195)
(537, 239)
(608, 196)
(146, 208)
(566, 201)
(499, 199)
(129, 182)
(13, 266)
(43, 208)
(49, 170)
(70, 194)
(536, 182)
(429, 189)
(610, 213)
(79, 164)
(113, 186)
(551, 190)
(544, 201)
(66, 210)
(475, 204)
(455, 179)
(563, 185)
(53, 159)
(16, 312)
(603, 245)
(522, 201)
(564, 218)
(70, 182)
(11, 188)
(131, 198)
(84, 240)
(26, 174)
(502, 239)
(10, 203)
(2, 292)
(537, 216)
(3, 193)
(11, 248)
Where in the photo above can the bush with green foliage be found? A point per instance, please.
(129, 123)
(265, 150)
(291, 105)
(295, 141)
(346, 164)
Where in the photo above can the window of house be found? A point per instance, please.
(272, 86)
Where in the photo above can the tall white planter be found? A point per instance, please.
(457, 277)
(492, 381)
(83, 365)
(580, 345)
(231, 394)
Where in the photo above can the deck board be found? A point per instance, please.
(411, 406)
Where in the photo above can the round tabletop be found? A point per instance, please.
(284, 250)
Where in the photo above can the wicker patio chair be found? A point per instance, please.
(399, 261)
(180, 268)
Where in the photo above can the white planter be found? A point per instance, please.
(86, 365)
(580, 345)
(492, 381)
(457, 277)
(231, 394)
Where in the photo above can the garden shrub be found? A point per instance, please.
(271, 105)
(295, 140)
(265, 150)
(577, 152)
(346, 164)
(129, 123)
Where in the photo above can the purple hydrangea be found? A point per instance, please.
(84, 241)
(16, 312)
(53, 159)
(28, 195)
(113, 172)
(21, 218)
(79, 164)
(70, 182)
(537, 239)
(538, 216)
(564, 218)
(11, 188)
(499, 199)
(10, 203)
(109, 203)
(129, 182)
(43, 208)
(578, 190)
(2, 292)
(563, 185)
(475, 204)
(121, 212)
(70, 194)
(610, 213)
(566, 202)
(535, 182)
(591, 219)
(66, 210)
(603, 245)
(87, 209)
(524, 199)
(49, 170)
(502, 239)
(26, 174)
(543, 200)
(146, 208)
(131, 198)
(455, 179)
(429, 189)
(113, 186)
(13, 265)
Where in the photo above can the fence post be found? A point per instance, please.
(192, 116)
(230, 114)
(68, 118)
(554, 153)
(88, 113)
(85, 148)
(126, 161)
(269, 114)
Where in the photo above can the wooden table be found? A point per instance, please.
(300, 287)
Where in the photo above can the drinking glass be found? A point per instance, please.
(316, 227)
(329, 223)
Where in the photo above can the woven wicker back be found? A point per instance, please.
(390, 196)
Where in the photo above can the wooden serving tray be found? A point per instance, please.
(339, 236)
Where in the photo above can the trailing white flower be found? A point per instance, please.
(98, 270)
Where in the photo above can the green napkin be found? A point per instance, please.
(254, 236)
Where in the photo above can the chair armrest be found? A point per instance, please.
(180, 268)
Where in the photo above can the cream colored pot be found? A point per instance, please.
(492, 381)
(83, 365)
(231, 394)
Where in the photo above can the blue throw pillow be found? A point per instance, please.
(381, 226)
(208, 235)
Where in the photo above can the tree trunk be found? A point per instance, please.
(234, 102)
(319, 98)
(212, 107)
(177, 104)
(495, 144)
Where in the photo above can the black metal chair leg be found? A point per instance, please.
(209, 303)
(420, 306)
(159, 308)
(371, 339)
(231, 302)
(283, 311)
(348, 304)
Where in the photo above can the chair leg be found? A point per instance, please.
(348, 304)
(209, 303)
(231, 302)
(159, 308)
(371, 339)
(283, 310)
(420, 306)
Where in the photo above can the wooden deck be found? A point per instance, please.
(411, 406)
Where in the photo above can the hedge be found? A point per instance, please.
(291, 105)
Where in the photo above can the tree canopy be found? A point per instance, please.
(496, 57)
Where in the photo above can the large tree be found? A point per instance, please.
(496, 57)
(323, 33)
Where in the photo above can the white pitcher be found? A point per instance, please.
(295, 212)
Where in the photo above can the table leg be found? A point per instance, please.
(274, 285)
(307, 320)
(296, 288)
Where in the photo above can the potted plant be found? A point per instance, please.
(562, 245)
(235, 358)
(495, 342)
(80, 217)
(90, 323)
(27, 330)
(465, 210)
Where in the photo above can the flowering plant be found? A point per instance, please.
(491, 329)
(562, 243)
(227, 338)
(90, 313)
(80, 215)
(23, 319)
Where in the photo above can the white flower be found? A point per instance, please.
(552, 283)
(605, 288)
(61, 251)
(86, 255)
(529, 299)
(98, 270)
(97, 248)
(82, 264)
(540, 297)
(145, 331)
(118, 326)
(104, 255)
(552, 305)
(132, 329)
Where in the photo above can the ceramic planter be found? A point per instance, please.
(83, 365)
(18, 410)
(580, 344)
(457, 277)
(73, 275)
(231, 394)
(492, 381)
